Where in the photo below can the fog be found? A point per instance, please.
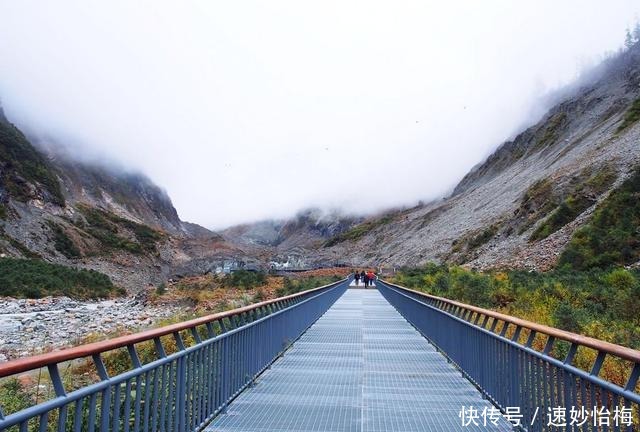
(245, 110)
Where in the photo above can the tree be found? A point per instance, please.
(628, 39)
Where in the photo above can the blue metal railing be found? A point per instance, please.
(178, 391)
(497, 354)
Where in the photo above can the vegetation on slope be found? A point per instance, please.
(292, 286)
(25, 251)
(599, 303)
(468, 243)
(358, 231)
(244, 279)
(111, 230)
(22, 164)
(631, 116)
(551, 130)
(578, 198)
(612, 236)
(32, 278)
(62, 243)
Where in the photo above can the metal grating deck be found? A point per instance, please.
(360, 367)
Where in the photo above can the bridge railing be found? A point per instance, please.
(527, 368)
(189, 373)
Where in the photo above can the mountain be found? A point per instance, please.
(522, 205)
(85, 215)
(294, 242)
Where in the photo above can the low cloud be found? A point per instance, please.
(252, 110)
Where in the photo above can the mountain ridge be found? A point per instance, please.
(508, 210)
(86, 215)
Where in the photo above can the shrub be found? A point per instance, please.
(601, 303)
(568, 210)
(483, 237)
(292, 286)
(106, 227)
(612, 236)
(61, 242)
(161, 289)
(359, 230)
(33, 278)
(24, 162)
(244, 279)
(631, 116)
(14, 397)
(565, 317)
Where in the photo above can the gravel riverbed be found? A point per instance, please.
(31, 326)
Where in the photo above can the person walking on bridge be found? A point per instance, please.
(357, 278)
(365, 278)
(371, 276)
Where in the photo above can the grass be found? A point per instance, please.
(22, 161)
(31, 278)
(631, 116)
(611, 238)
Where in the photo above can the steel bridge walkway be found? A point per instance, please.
(360, 367)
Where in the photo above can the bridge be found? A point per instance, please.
(334, 359)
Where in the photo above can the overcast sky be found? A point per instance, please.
(244, 110)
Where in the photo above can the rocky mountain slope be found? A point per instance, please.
(293, 243)
(90, 216)
(520, 207)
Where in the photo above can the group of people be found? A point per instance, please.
(366, 278)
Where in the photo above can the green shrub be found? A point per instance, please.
(359, 230)
(550, 134)
(161, 289)
(14, 397)
(22, 160)
(482, 238)
(35, 278)
(259, 296)
(612, 236)
(244, 279)
(106, 227)
(62, 243)
(578, 301)
(292, 286)
(566, 212)
(566, 317)
(631, 116)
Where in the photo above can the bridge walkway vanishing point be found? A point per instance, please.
(360, 367)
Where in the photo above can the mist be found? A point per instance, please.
(250, 110)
